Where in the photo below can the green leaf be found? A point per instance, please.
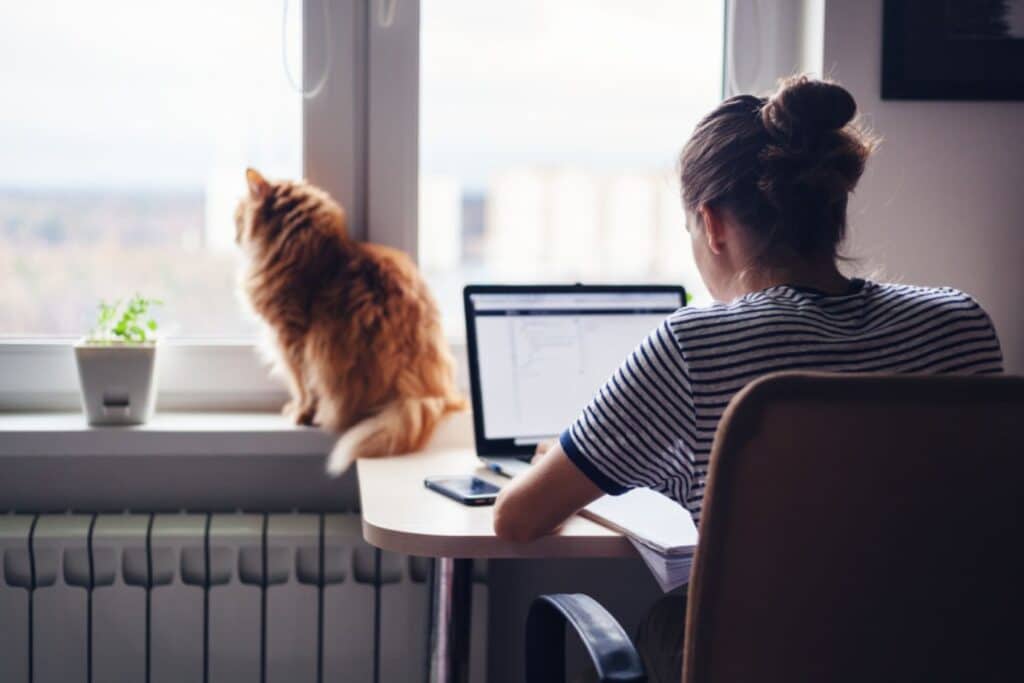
(125, 320)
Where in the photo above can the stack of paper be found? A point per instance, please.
(662, 531)
(669, 571)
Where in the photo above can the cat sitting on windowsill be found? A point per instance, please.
(353, 327)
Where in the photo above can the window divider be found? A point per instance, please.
(393, 99)
(334, 145)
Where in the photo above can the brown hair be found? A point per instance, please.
(784, 166)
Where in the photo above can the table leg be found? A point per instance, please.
(450, 616)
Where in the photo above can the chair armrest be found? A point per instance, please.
(610, 649)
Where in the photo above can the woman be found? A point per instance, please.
(765, 184)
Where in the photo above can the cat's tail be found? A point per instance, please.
(402, 426)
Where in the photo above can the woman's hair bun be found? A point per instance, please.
(783, 166)
(805, 108)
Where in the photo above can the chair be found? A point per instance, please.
(855, 528)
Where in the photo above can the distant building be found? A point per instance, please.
(440, 238)
(566, 223)
(474, 226)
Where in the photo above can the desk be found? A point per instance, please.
(400, 514)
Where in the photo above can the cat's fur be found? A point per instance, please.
(355, 330)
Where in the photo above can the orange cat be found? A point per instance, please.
(356, 332)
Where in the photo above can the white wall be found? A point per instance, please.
(942, 202)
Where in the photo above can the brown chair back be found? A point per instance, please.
(862, 528)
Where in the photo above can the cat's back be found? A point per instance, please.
(389, 271)
(380, 286)
(393, 263)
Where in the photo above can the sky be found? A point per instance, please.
(608, 84)
(115, 93)
(120, 93)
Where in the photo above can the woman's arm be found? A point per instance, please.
(632, 434)
(538, 501)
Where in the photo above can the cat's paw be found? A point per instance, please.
(299, 414)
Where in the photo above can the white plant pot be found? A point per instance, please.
(118, 382)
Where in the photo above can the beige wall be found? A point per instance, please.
(942, 202)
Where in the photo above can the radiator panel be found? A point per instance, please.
(15, 577)
(118, 609)
(292, 605)
(60, 608)
(345, 647)
(234, 606)
(225, 597)
(176, 609)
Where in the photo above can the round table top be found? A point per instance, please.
(402, 515)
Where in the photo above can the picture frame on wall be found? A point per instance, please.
(953, 50)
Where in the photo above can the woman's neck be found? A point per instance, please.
(819, 274)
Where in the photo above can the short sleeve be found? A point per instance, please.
(638, 431)
(987, 357)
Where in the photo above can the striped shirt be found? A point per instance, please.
(653, 422)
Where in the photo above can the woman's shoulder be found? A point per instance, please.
(723, 319)
(951, 298)
(780, 305)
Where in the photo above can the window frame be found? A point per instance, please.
(371, 169)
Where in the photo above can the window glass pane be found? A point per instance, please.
(123, 152)
(549, 136)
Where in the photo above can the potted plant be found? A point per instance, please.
(117, 363)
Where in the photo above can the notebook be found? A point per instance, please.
(662, 531)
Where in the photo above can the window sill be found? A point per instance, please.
(187, 434)
(179, 434)
(200, 462)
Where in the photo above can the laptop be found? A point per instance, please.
(539, 353)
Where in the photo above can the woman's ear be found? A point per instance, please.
(714, 228)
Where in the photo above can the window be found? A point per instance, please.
(542, 138)
(549, 133)
(122, 159)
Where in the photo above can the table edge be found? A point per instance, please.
(489, 547)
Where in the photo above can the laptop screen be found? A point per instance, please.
(540, 356)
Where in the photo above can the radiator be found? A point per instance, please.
(212, 598)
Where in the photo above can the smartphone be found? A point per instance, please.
(468, 490)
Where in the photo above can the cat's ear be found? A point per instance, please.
(259, 188)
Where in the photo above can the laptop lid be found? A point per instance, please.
(538, 353)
